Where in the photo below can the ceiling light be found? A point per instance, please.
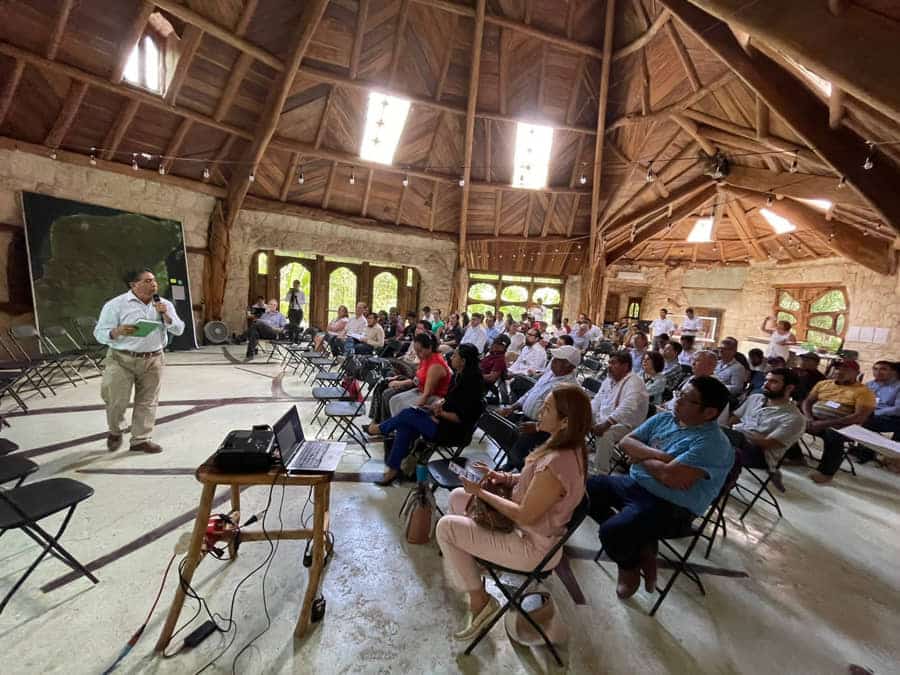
(205, 173)
(93, 159)
(385, 118)
(462, 181)
(301, 179)
(779, 224)
(650, 175)
(352, 178)
(162, 169)
(532, 155)
(134, 164)
(842, 183)
(770, 199)
(868, 164)
(795, 164)
(405, 180)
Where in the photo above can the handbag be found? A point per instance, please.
(486, 515)
(418, 512)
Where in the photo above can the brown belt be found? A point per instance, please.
(141, 355)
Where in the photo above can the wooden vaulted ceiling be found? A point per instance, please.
(682, 84)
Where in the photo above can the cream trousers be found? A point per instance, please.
(122, 373)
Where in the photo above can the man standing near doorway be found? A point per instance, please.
(134, 362)
(296, 301)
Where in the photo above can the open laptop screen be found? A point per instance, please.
(288, 430)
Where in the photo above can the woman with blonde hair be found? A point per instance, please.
(543, 498)
(337, 330)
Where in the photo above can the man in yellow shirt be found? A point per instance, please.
(833, 404)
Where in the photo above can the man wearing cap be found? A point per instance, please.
(833, 404)
(563, 361)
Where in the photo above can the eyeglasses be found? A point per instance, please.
(686, 399)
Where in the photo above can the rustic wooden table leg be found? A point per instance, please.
(193, 559)
(321, 496)
(236, 515)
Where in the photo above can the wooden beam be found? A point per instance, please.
(498, 210)
(434, 200)
(548, 215)
(130, 39)
(800, 109)
(503, 71)
(866, 251)
(683, 57)
(570, 19)
(856, 50)
(446, 59)
(686, 191)
(9, 88)
(289, 176)
(67, 113)
(528, 211)
(690, 126)
(362, 16)
(576, 203)
(658, 223)
(642, 40)
(645, 84)
(235, 79)
(329, 185)
(835, 107)
(320, 132)
(593, 294)
(488, 152)
(572, 103)
(117, 132)
(59, 29)
(797, 185)
(189, 44)
(744, 230)
(175, 144)
(542, 79)
(398, 40)
(78, 159)
(365, 204)
(400, 204)
(472, 100)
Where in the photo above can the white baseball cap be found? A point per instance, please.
(567, 352)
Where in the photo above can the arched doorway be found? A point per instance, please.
(385, 287)
(287, 274)
(341, 290)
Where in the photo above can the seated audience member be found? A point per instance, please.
(637, 351)
(757, 360)
(686, 357)
(258, 308)
(475, 333)
(654, 380)
(619, 407)
(532, 358)
(428, 315)
(660, 341)
(491, 329)
(672, 369)
(383, 320)
(808, 375)
(410, 328)
(729, 371)
(334, 333)
(565, 340)
(704, 366)
(438, 322)
(690, 325)
(544, 497)
(431, 381)
(372, 336)
(566, 327)
(767, 424)
(594, 331)
(269, 326)
(833, 404)
(452, 333)
(356, 328)
(493, 366)
(581, 338)
(886, 387)
(449, 420)
(394, 330)
(563, 361)
(516, 338)
(779, 338)
(679, 462)
(404, 371)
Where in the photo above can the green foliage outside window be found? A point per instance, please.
(384, 292)
(830, 342)
(480, 308)
(514, 294)
(832, 301)
(825, 321)
(785, 316)
(515, 310)
(341, 291)
(547, 296)
(286, 277)
(262, 263)
(788, 301)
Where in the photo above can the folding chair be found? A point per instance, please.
(37, 353)
(501, 431)
(29, 373)
(538, 574)
(845, 456)
(344, 413)
(22, 507)
(8, 381)
(13, 467)
(763, 493)
(324, 396)
(61, 342)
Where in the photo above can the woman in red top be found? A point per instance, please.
(432, 378)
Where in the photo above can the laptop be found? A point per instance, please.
(300, 455)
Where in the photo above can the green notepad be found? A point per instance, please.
(144, 328)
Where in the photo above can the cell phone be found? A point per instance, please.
(467, 473)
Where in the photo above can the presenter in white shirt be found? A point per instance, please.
(691, 324)
(134, 362)
(296, 301)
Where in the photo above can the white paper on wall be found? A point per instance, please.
(881, 336)
(178, 292)
(866, 333)
(853, 334)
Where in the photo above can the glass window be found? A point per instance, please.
(547, 296)
(409, 277)
(384, 291)
(480, 308)
(547, 280)
(832, 301)
(516, 311)
(788, 301)
(145, 65)
(482, 292)
(508, 277)
(825, 321)
(341, 290)
(262, 263)
(514, 294)
(286, 277)
(532, 156)
(839, 324)
(819, 339)
(634, 308)
(385, 118)
(482, 275)
(785, 316)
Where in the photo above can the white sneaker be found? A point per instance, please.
(475, 623)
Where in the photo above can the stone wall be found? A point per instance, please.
(745, 295)
(255, 230)
(22, 171)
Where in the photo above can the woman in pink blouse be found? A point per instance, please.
(337, 330)
(543, 499)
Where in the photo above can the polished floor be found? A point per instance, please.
(812, 592)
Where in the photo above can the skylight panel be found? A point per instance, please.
(385, 118)
(151, 64)
(532, 159)
(780, 224)
(701, 232)
(821, 204)
(132, 73)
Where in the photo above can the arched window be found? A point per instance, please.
(341, 290)
(146, 66)
(286, 276)
(262, 263)
(384, 291)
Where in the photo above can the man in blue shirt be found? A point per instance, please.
(679, 462)
(270, 326)
(886, 387)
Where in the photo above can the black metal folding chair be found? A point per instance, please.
(30, 346)
(514, 595)
(23, 507)
(845, 456)
(59, 341)
(28, 373)
(760, 492)
(502, 431)
(345, 413)
(15, 468)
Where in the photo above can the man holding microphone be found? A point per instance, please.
(132, 361)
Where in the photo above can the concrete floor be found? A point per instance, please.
(810, 593)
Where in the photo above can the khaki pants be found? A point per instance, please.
(122, 372)
(605, 444)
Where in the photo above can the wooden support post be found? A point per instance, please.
(362, 16)
(59, 28)
(66, 116)
(190, 41)
(117, 132)
(9, 89)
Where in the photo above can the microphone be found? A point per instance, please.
(156, 299)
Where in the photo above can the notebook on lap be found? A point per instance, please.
(304, 456)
